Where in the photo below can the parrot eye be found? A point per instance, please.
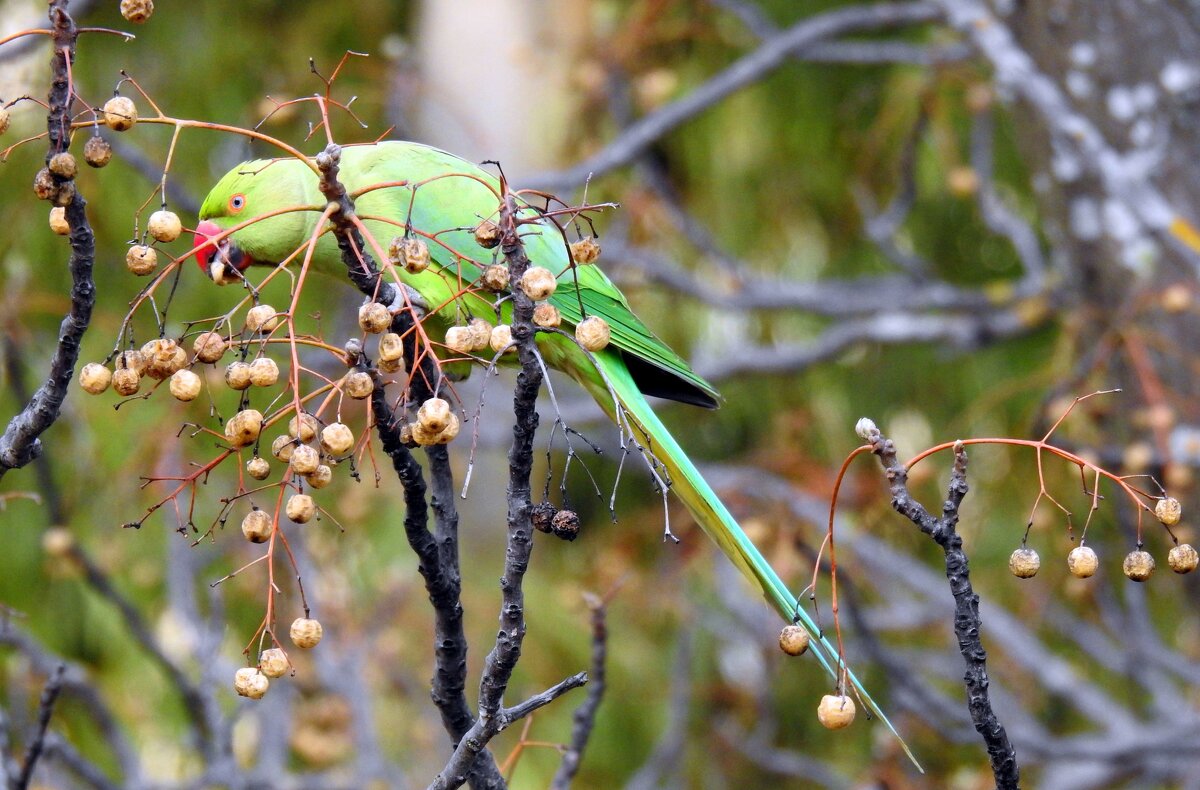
(237, 203)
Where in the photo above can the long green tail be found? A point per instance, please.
(716, 520)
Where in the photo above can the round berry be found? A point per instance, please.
(481, 333)
(460, 339)
(141, 260)
(120, 113)
(63, 165)
(44, 185)
(501, 339)
(97, 152)
(546, 315)
(125, 381)
(321, 477)
(273, 662)
(300, 507)
(262, 318)
(258, 468)
(237, 375)
(494, 278)
(593, 333)
(264, 372)
(137, 11)
(538, 283)
(283, 447)
(5, 119)
(411, 253)
(1183, 558)
(1024, 563)
(95, 378)
(487, 234)
(793, 640)
(304, 428)
(164, 225)
(835, 711)
(358, 385)
(249, 682)
(304, 460)
(337, 439)
(1168, 510)
(434, 415)
(185, 385)
(585, 251)
(1082, 562)
(1138, 565)
(391, 347)
(244, 427)
(374, 318)
(306, 632)
(209, 346)
(256, 526)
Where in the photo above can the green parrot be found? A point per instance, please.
(447, 197)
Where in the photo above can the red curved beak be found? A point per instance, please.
(221, 261)
(202, 246)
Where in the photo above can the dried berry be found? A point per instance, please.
(390, 366)
(164, 225)
(593, 333)
(258, 468)
(501, 339)
(185, 385)
(305, 460)
(95, 378)
(538, 283)
(300, 507)
(1138, 565)
(494, 278)
(565, 524)
(44, 185)
(1183, 558)
(1082, 562)
(137, 11)
(793, 640)
(273, 662)
(167, 364)
(546, 315)
(133, 359)
(337, 439)
(303, 428)
(487, 234)
(433, 415)
(58, 221)
(264, 372)
(64, 194)
(585, 251)
(481, 333)
(374, 318)
(244, 427)
(358, 385)
(543, 517)
(411, 253)
(237, 375)
(256, 526)
(97, 152)
(835, 711)
(391, 347)
(460, 339)
(120, 113)
(63, 165)
(283, 447)
(1024, 563)
(208, 346)
(262, 318)
(306, 632)
(249, 682)
(1168, 510)
(321, 477)
(141, 260)
(5, 118)
(125, 381)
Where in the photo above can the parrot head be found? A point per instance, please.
(248, 191)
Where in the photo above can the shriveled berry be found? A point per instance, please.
(1082, 562)
(58, 221)
(391, 347)
(1168, 510)
(5, 119)
(494, 278)
(97, 152)
(44, 185)
(133, 359)
(793, 640)
(501, 339)
(237, 375)
(258, 468)
(264, 372)
(1138, 565)
(481, 333)
(120, 113)
(64, 194)
(337, 438)
(141, 260)
(593, 333)
(256, 526)
(160, 367)
(304, 460)
(137, 11)
(538, 283)
(306, 632)
(209, 346)
(164, 225)
(304, 427)
(1024, 563)
(487, 234)
(434, 414)
(125, 381)
(460, 340)
(244, 427)
(185, 385)
(390, 366)
(249, 682)
(300, 507)
(273, 662)
(835, 711)
(321, 477)
(374, 318)
(283, 447)
(411, 253)
(358, 385)
(262, 318)
(546, 315)
(585, 251)
(95, 378)
(543, 517)
(63, 165)
(565, 524)
(1183, 558)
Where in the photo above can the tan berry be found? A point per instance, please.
(258, 468)
(304, 428)
(481, 333)
(120, 113)
(412, 254)
(209, 346)
(262, 318)
(1176, 298)
(306, 632)
(1138, 565)
(434, 415)
(137, 11)
(164, 225)
(585, 251)
(421, 435)
(44, 185)
(538, 283)
(264, 372)
(1082, 562)
(1168, 510)
(460, 339)
(273, 662)
(5, 118)
(449, 433)
(374, 318)
(501, 339)
(141, 260)
(835, 711)
(185, 385)
(256, 526)
(337, 438)
(1024, 563)
(793, 640)
(249, 682)
(321, 477)
(1183, 558)
(593, 333)
(305, 460)
(64, 194)
(546, 315)
(391, 347)
(63, 165)
(244, 427)
(283, 447)
(58, 221)
(166, 364)
(133, 359)
(125, 381)
(487, 234)
(300, 507)
(237, 375)
(390, 366)
(406, 437)
(97, 152)
(494, 278)
(358, 385)
(95, 378)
